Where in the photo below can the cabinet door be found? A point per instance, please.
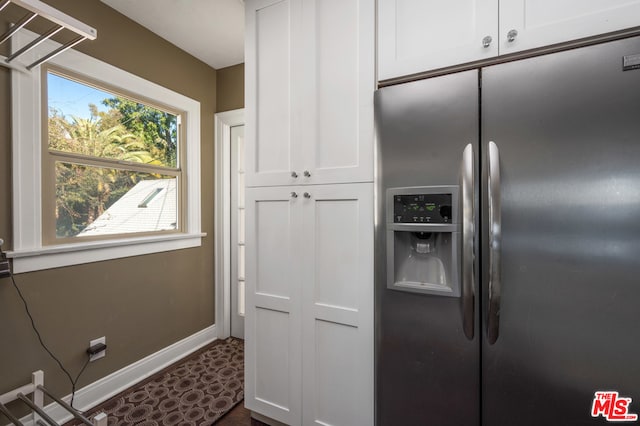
(339, 82)
(420, 35)
(273, 301)
(272, 107)
(544, 22)
(338, 345)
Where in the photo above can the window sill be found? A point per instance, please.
(78, 253)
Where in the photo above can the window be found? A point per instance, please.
(107, 157)
(106, 164)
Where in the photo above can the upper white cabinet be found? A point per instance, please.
(272, 104)
(420, 35)
(417, 35)
(543, 22)
(310, 78)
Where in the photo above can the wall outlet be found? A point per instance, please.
(101, 354)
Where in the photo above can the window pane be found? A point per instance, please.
(89, 121)
(94, 201)
(241, 223)
(241, 262)
(241, 298)
(241, 150)
(241, 190)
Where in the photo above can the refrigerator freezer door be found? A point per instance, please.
(427, 368)
(568, 129)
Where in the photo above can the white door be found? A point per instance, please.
(338, 62)
(544, 22)
(238, 233)
(271, 45)
(273, 303)
(337, 315)
(420, 35)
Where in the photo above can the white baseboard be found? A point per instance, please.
(103, 389)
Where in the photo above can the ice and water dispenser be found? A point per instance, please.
(422, 240)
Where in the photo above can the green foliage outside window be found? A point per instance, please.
(157, 128)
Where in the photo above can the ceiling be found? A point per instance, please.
(210, 30)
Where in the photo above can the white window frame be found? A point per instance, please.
(29, 253)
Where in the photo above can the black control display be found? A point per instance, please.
(422, 208)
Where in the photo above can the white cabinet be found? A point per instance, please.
(273, 325)
(310, 346)
(421, 35)
(545, 22)
(310, 78)
(337, 312)
(272, 104)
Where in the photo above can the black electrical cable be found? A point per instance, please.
(35, 329)
(75, 382)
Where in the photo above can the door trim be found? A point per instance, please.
(224, 121)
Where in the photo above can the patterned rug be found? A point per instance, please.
(197, 390)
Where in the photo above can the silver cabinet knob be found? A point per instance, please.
(307, 195)
(294, 175)
(294, 195)
(307, 174)
(511, 35)
(486, 42)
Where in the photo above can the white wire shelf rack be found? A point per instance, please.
(59, 21)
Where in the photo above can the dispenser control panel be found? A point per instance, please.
(423, 233)
(422, 208)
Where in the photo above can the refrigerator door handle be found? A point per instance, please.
(495, 240)
(468, 240)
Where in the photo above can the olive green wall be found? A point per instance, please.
(141, 304)
(230, 88)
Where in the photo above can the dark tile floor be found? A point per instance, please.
(239, 416)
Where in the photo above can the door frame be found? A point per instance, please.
(224, 121)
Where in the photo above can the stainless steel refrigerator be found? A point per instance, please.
(508, 242)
